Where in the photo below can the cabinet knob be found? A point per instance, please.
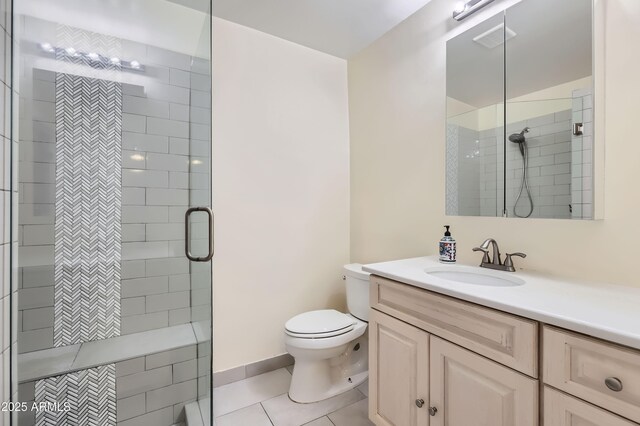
(613, 383)
(419, 403)
(433, 411)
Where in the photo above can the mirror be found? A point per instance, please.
(530, 67)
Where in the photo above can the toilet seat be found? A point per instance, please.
(294, 342)
(319, 324)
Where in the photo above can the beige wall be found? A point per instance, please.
(397, 115)
(281, 188)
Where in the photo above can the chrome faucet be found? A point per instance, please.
(495, 262)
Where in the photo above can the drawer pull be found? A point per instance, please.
(613, 383)
(433, 411)
(419, 403)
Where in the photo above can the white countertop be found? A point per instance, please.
(610, 312)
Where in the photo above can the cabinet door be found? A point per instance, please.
(470, 390)
(561, 409)
(398, 372)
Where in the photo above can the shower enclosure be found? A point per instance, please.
(113, 105)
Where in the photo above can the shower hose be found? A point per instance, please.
(524, 150)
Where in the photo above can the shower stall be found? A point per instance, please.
(112, 118)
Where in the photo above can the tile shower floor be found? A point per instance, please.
(263, 401)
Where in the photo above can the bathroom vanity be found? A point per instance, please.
(508, 349)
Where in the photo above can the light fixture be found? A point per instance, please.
(47, 47)
(95, 60)
(459, 7)
(462, 10)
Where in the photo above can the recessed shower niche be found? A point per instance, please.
(520, 121)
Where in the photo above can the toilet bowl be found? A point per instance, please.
(330, 348)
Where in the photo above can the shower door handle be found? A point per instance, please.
(187, 234)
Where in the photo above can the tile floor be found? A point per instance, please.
(263, 401)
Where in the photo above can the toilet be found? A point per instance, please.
(331, 348)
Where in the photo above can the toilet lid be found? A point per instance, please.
(323, 323)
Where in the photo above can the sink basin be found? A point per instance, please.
(476, 276)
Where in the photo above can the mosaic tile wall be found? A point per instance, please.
(149, 390)
(82, 398)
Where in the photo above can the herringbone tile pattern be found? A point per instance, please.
(452, 169)
(88, 193)
(88, 209)
(88, 201)
(91, 395)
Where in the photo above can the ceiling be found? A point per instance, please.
(337, 27)
(201, 5)
(552, 46)
(169, 24)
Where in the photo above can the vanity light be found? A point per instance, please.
(96, 60)
(462, 10)
(459, 7)
(47, 47)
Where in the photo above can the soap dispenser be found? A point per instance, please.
(447, 247)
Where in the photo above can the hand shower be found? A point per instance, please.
(521, 140)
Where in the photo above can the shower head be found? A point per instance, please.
(519, 137)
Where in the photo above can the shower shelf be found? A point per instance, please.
(56, 361)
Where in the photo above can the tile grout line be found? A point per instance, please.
(359, 392)
(321, 417)
(77, 353)
(266, 413)
(244, 408)
(353, 403)
(324, 415)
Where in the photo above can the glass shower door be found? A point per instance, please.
(199, 240)
(114, 107)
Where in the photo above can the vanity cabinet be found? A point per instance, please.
(419, 378)
(440, 361)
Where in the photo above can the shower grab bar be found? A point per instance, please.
(187, 234)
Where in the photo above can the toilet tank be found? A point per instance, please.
(357, 282)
